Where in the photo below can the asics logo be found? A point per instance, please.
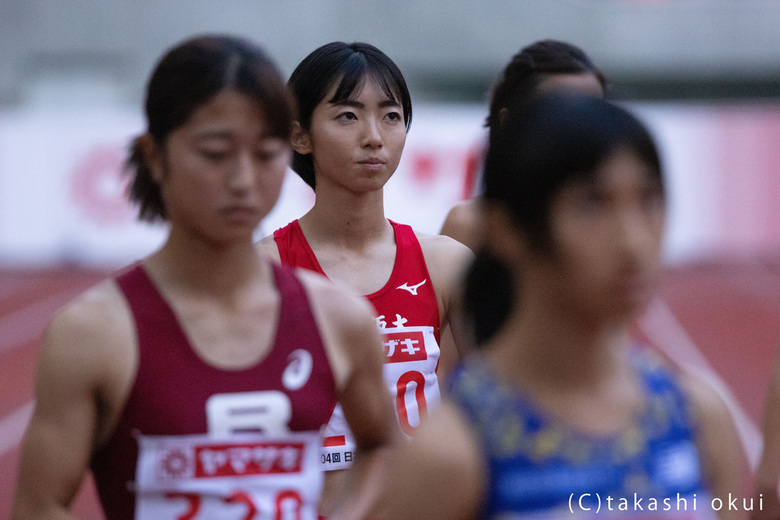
(413, 288)
(298, 371)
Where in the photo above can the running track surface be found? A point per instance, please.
(721, 317)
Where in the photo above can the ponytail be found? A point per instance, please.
(488, 296)
(143, 190)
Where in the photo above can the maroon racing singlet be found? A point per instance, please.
(176, 394)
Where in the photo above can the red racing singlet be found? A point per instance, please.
(407, 314)
(198, 441)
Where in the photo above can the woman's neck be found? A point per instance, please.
(546, 346)
(581, 375)
(197, 266)
(346, 219)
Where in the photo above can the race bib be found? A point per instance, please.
(249, 476)
(411, 358)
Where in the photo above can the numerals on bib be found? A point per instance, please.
(287, 505)
(251, 476)
(417, 381)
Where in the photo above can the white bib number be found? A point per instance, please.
(267, 412)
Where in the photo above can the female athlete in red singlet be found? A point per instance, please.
(354, 112)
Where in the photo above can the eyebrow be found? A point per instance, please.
(211, 133)
(227, 134)
(358, 104)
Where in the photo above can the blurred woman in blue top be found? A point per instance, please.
(561, 414)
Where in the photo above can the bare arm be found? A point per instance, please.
(369, 412)
(768, 475)
(718, 442)
(447, 261)
(68, 420)
(461, 223)
(438, 475)
(356, 349)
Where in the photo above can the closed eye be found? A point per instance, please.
(270, 149)
(347, 116)
(214, 155)
(268, 155)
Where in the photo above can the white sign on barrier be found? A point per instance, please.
(62, 186)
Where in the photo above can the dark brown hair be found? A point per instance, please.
(521, 76)
(188, 76)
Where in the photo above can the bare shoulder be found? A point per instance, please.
(461, 222)
(87, 361)
(83, 374)
(447, 261)
(723, 463)
(709, 409)
(456, 465)
(346, 322)
(266, 246)
(92, 332)
(706, 403)
(443, 251)
(444, 242)
(462, 450)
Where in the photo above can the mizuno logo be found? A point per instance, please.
(413, 288)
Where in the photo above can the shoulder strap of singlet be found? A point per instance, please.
(293, 248)
(284, 238)
(295, 312)
(409, 253)
(155, 321)
(135, 283)
(294, 300)
(405, 237)
(661, 383)
(144, 299)
(297, 326)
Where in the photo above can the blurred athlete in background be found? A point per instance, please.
(194, 384)
(542, 67)
(768, 474)
(560, 407)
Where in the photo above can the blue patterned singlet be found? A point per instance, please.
(541, 468)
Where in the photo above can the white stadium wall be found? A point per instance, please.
(62, 187)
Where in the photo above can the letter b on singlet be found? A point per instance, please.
(266, 412)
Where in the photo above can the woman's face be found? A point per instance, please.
(607, 236)
(356, 144)
(222, 171)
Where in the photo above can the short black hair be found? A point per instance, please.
(349, 64)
